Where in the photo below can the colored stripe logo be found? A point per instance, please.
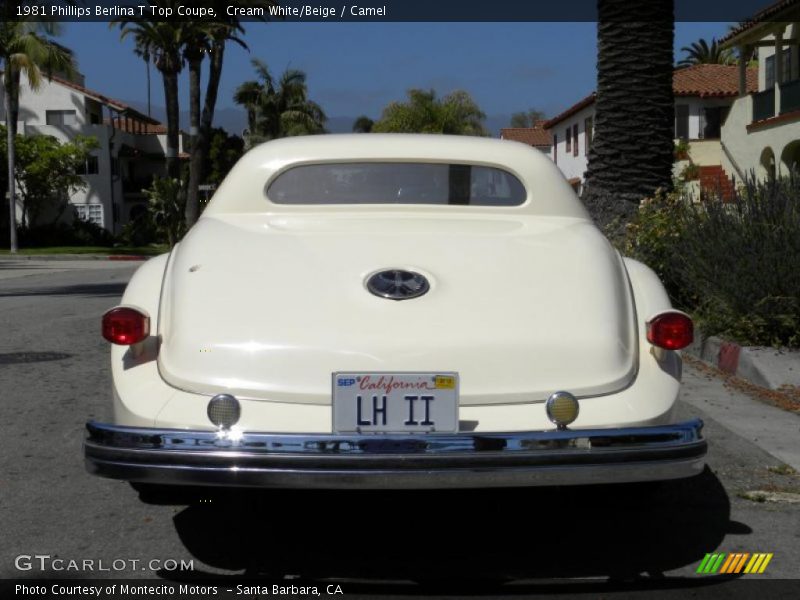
(734, 563)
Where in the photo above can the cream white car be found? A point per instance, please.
(394, 311)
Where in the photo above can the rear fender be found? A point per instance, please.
(139, 393)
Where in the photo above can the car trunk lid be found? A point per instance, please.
(268, 307)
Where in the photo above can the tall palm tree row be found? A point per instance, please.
(25, 47)
(632, 146)
(173, 45)
(278, 108)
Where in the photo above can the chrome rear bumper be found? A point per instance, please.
(273, 460)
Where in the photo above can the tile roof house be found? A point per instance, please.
(536, 136)
(703, 94)
(711, 81)
(131, 145)
(762, 132)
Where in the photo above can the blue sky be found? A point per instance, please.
(357, 68)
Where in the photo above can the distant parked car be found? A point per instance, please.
(394, 311)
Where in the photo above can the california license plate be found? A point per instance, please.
(395, 402)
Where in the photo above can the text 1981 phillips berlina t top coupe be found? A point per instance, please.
(387, 311)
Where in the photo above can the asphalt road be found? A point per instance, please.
(54, 376)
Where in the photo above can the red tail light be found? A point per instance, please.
(671, 330)
(125, 326)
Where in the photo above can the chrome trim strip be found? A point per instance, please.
(393, 461)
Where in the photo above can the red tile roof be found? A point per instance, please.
(702, 81)
(769, 13)
(536, 136)
(578, 106)
(712, 81)
(103, 99)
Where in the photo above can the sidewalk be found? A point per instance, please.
(774, 430)
(770, 368)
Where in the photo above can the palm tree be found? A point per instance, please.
(25, 47)
(700, 53)
(207, 38)
(213, 37)
(363, 124)
(455, 114)
(163, 41)
(197, 44)
(248, 95)
(632, 147)
(281, 108)
(142, 52)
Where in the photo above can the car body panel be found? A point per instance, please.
(513, 324)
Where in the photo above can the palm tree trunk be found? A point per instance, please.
(12, 110)
(173, 122)
(212, 88)
(192, 210)
(632, 147)
(147, 66)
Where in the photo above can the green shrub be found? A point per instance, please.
(681, 150)
(79, 233)
(653, 237)
(139, 231)
(741, 261)
(734, 265)
(690, 172)
(166, 204)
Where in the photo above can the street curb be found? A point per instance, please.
(62, 257)
(767, 367)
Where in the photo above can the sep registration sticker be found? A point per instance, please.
(445, 382)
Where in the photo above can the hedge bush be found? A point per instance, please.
(79, 233)
(734, 265)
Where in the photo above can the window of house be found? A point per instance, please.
(569, 139)
(90, 167)
(60, 117)
(769, 72)
(769, 69)
(587, 124)
(90, 212)
(575, 138)
(555, 148)
(682, 121)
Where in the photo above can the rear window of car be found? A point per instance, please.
(396, 183)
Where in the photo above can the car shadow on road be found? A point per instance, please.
(460, 537)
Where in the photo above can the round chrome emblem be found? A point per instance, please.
(397, 284)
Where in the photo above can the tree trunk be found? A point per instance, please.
(195, 164)
(11, 107)
(173, 122)
(632, 147)
(202, 145)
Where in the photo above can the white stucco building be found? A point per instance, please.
(762, 132)
(703, 96)
(131, 145)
